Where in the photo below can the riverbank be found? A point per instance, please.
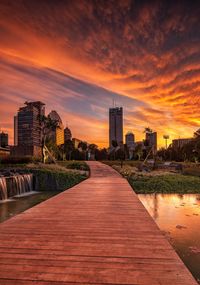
(158, 181)
(56, 177)
(50, 177)
(47, 180)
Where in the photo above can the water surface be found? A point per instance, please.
(179, 217)
(20, 203)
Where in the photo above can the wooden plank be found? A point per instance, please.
(98, 232)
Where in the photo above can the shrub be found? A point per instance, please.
(55, 180)
(132, 163)
(165, 184)
(16, 159)
(79, 165)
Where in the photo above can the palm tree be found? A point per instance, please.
(47, 125)
(148, 130)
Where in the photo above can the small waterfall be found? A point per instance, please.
(14, 185)
(23, 183)
(3, 189)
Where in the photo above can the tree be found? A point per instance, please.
(92, 147)
(114, 143)
(53, 148)
(101, 154)
(46, 126)
(138, 151)
(68, 148)
(76, 154)
(120, 154)
(83, 146)
(126, 151)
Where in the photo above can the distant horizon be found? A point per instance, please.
(103, 146)
(79, 56)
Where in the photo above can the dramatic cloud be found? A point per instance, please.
(77, 56)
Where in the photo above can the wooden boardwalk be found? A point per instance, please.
(98, 232)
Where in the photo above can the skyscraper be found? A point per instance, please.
(28, 129)
(57, 135)
(115, 125)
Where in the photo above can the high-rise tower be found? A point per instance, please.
(28, 131)
(115, 125)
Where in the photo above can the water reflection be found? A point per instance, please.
(178, 216)
(21, 203)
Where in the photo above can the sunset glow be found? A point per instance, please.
(78, 56)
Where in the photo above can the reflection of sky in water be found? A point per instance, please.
(179, 216)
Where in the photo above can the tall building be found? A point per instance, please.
(151, 138)
(115, 125)
(3, 139)
(16, 130)
(130, 140)
(67, 134)
(57, 135)
(29, 131)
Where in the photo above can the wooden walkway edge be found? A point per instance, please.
(98, 232)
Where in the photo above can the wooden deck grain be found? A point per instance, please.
(98, 232)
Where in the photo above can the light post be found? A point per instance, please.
(166, 137)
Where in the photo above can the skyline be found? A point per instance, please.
(78, 57)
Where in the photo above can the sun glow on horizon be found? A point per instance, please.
(77, 59)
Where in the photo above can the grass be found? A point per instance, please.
(132, 163)
(176, 183)
(79, 165)
(159, 181)
(60, 165)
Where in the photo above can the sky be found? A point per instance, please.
(79, 56)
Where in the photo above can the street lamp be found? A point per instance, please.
(166, 137)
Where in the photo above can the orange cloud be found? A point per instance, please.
(82, 53)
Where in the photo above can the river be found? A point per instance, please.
(178, 216)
